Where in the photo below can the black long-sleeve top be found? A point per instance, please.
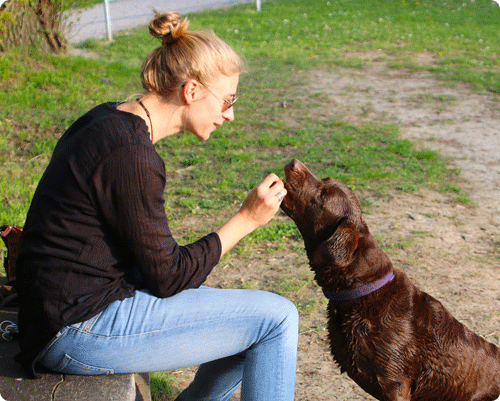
(97, 230)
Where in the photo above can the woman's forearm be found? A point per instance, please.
(233, 231)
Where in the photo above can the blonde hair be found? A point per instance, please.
(184, 55)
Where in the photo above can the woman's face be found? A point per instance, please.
(210, 110)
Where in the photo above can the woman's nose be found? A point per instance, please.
(229, 114)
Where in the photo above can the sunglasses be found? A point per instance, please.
(226, 103)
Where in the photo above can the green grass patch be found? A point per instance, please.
(461, 37)
(161, 386)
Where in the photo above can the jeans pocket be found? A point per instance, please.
(71, 366)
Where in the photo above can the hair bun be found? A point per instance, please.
(168, 27)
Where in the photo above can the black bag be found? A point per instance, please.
(11, 235)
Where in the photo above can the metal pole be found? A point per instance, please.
(107, 17)
(257, 3)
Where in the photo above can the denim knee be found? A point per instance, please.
(282, 310)
(290, 311)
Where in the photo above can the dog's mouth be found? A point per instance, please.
(294, 177)
(287, 203)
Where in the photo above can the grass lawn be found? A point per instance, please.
(43, 94)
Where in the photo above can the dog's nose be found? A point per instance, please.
(296, 164)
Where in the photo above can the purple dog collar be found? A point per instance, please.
(352, 295)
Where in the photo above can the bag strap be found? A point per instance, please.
(11, 235)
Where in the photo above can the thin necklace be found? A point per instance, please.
(149, 116)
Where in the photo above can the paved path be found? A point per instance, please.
(127, 14)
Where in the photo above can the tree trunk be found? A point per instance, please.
(48, 13)
(25, 23)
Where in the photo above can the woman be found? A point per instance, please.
(104, 286)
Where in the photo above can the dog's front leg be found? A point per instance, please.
(396, 391)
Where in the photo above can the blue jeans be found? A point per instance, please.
(239, 337)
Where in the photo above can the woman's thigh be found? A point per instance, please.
(144, 333)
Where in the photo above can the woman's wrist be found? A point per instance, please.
(234, 230)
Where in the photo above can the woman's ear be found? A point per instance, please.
(191, 91)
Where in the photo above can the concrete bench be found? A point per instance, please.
(15, 385)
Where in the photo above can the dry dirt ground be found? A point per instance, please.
(448, 249)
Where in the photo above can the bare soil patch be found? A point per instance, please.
(449, 250)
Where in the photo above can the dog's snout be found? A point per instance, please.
(295, 165)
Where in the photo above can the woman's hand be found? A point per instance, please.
(263, 202)
(257, 209)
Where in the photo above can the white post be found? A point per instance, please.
(107, 17)
(257, 3)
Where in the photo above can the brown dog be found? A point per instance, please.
(395, 341)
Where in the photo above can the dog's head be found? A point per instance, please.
(327, 214)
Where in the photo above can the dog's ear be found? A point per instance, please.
(338, 249)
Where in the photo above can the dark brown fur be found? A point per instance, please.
(397, 343)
